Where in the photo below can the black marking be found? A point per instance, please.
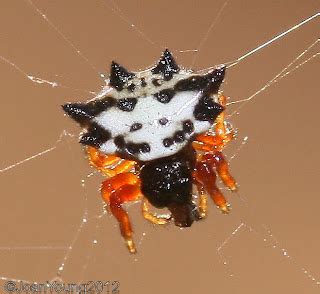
(209, 83)
(135, 127)
(188, 126)
(84, 112)
(207, 109)
(127, 104)
(178, 137)
(131, 87)
(119, 76)
(95, 136)
(130, 149)
(145, 147)
(119, 142)
(134, 148)
(165, 95)
(143, 82)
(163, 121)
(166, 66)
(167, 142)
(156, 82)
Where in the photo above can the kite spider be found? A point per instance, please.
(156, 134)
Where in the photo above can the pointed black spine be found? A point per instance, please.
(119, 76)
(166, 66)
(78, 111)
(84, 112)
(215, 79)
(209, 83)
(207, 109)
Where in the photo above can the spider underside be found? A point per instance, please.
(155, 135)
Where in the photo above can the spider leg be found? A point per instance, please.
(109, 165)
(117, 190)
(217, 160)
(203, 203)
(205, 177)
(153, 217)
(211, 144)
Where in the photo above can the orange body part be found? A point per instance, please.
(121, 186)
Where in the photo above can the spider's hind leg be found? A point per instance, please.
(121, 186)
(117, 190)
(153, 217)
(203, 203)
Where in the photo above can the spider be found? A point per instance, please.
(156, 135)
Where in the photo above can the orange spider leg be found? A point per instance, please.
(205, 178)
(115, 191)
(102, 162)
(153, 217)
(109, 165)
(217, 161)
(213, 144)
(212, 161)
(206, 143)
(220, 128)
(124, 166)
(203, 203)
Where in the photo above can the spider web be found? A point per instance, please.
(55, 224)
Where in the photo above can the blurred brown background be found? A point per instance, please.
(270, 241)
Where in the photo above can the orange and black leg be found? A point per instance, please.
(121, 188)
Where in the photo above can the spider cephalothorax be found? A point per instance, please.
(155, 133)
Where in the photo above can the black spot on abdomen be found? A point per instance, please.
(135, 127)
(165, 96)
(188, 126)
(127, 104)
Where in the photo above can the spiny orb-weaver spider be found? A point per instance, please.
(155, 134)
